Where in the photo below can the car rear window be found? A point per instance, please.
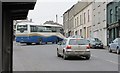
(78, 42)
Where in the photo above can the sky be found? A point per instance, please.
(46, 10)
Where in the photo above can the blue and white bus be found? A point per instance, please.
(32, 33)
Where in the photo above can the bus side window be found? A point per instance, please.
(33, 28)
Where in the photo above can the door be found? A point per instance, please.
(114, 44)
(62, 46)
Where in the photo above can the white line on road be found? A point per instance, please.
(108, 60)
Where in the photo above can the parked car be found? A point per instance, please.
(73, 47)
(115, 46)
(95, 43)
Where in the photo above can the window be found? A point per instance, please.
(88, 16)
(111, 16)
(78, 42)
(33, 28)
(80, 32)
(116, 40)
(41, 29)
(80, 20)
(75, 32)
(77, 21)
(84, 18)
(64, 42)
(95, 40)
(116, 13)
(21, 28)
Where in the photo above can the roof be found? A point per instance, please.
(19, 10)
(52, 25)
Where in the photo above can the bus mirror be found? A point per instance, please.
(59, 43)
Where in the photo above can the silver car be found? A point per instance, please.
(114, 46)
(73, 47)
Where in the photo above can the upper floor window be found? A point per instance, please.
(77, 21)
(80, 20)
(84, 18)
(88, 15)
(116, 13)
(111, 16)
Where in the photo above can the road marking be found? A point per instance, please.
(108, 60)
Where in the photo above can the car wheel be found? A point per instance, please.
(58, 55)
(109, 49)
(88, 57)
(118, 51)
(64, 56)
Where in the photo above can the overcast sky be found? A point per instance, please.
(46, 10)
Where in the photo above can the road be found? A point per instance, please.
(43, 58)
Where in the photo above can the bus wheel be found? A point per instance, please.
(28, 43)
(40, 41)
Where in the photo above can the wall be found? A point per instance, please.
(65, 23)
(113, 27)
(80, 25)
(99, 21)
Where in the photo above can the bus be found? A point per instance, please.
(33, 33)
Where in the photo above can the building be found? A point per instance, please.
(99, 27)
(87, 18)
(113, 18)
(83, 21)
(69, 18)
(52, 22)
(68, 21)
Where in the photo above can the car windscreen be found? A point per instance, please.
(95, 40)
(119, 41)
(78, 42)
